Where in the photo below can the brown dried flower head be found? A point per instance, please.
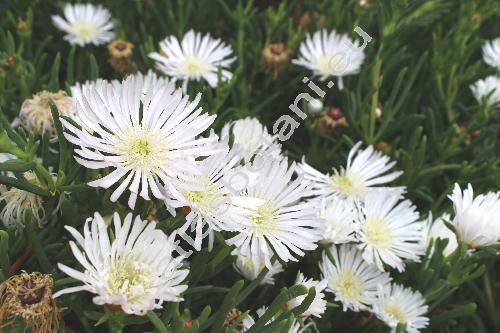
(275, 56)
(29, 296)
(329, 120)
(35, 112)
(231, 317)
(120, 56)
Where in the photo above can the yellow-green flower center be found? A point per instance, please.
(129, 278)
(84, 30)
(196, 66)
(350, 286)
(395, 311)
(378, 233)
(142, 149)
(265, 219)
(347, 183)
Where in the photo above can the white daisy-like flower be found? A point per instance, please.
(340, 220)
(491, 53)
(390, 230)
(137, 270)
(246, 266)
(330, 54)
(398, 305)
(149, 138)
(213, 206)
(487, 90)
(36, 116)
(350, 278)
(318, 305)
(281, 220)
(437, 229)
(19, 202)
(365, 169)
(251, 137)
(85, 24)
(476, 219)
(196, 57)
(150, 81)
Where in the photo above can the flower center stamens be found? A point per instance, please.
(378, 233)
(130, 278)
(350, 285)
(396, 312)
(84, 30)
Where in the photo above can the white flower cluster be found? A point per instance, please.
(488, 90)
(154, 142)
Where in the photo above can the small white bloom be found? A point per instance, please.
(213, 207)
(491, 53)
(318, 305)
(150, 137)
(194, 58)
(150, 81)
(136, 270)
(250, 268)
(438, 229)
(488, 89)
(396, 304)
(390, 230)
(85, 24)
(251, 137)
(330, 54)
(19, 202)
(36, 116)
(476, 219)
(350, 278)
(281, 220)
(340, 218)
(365, 169)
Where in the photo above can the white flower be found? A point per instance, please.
(318, 305)
(194, 58)
(340, 220)
(136, 270)
(150, 83)
(213, 206)
(491, 53)
(364, 170)
(350, 278)
(476, 219)
(396, 304)
(488, 89)
(149, 138)
(390, 230)
(85, 24)
(330, 54)
(438, 229)
(281, 220)
(19, 202)
(251, 137)
(36, 116)
(247, 267)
